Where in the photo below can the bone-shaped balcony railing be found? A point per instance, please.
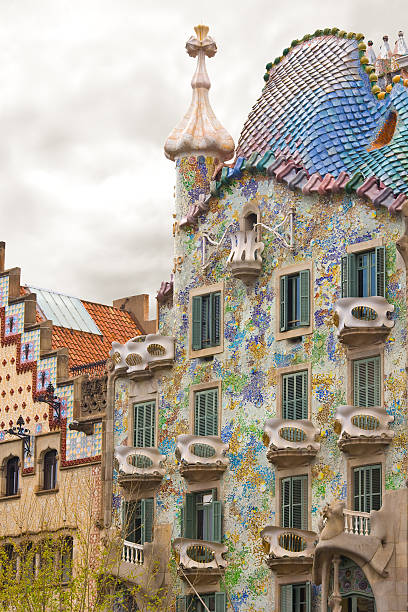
(360, 313)
(245, 259)
(284, 542)
(284, 434)
(201, 450)
(199, 554)
(134, 461)
(363, 423)
(143, 353)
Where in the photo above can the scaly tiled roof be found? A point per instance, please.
(322, 112)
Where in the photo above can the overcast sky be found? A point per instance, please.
(90, 90)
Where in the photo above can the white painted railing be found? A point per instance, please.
(132, 553)
(356, 522)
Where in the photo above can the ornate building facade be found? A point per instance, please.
(261, 434)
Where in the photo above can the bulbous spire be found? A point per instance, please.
(200, 132)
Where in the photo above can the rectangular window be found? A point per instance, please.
(295, 300)
(138, 520)
(215, 602)
(294, 502)
(144, 424)
(363, 274)
(367, 488)
(206, 412)
(202, 516)
(367, 382)
(206, 321)
(296, 597)
(295, 395)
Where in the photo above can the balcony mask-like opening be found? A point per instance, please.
(140, 461)
(200, 554)
(292, 434)
(133, 359)
(292, 542)
(203, 450)
(364, 313)
(156, 350)
(367, 422)
(386, 134)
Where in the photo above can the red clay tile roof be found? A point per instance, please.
(115, 325)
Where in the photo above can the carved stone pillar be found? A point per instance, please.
(335, 599)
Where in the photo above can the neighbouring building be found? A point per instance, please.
(53, 399)
(261, 433)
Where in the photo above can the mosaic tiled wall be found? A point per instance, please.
(248, 366)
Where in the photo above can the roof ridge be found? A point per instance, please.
(376, 90)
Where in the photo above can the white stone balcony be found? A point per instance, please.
(199, 561)
(202, 458)
(362, 321)
(356, 522)
(363, 430)
(290, 443)
(245, 261)
(288, 550)
(132, 553)
(140, 469)
(144, 354)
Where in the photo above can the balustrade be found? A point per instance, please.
(132, 553)
(199, 560)
(360, 428)
(139, 467)
(201, 457)
(356, 522)
(143, 354)
(363, 320)
(290, 442)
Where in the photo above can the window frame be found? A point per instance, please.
(304, 582)
(55, 479)
(214, 519)
(142, 504)
(292, 270)
(360, 462)
(199, 292)
(132, 429)
(16, 460)
(294, 370)
(283, 473)
(304, 478)
(355, 354)
(216, 384)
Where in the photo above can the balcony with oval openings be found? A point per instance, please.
(288, 550)
(290, 443)
(363, 430)
(199, 562)
(362, 321)
(140, 469)
(142, 355)
(202, 458)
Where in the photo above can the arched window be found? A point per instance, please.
(50, 469)
(250, 220)
(12, 476)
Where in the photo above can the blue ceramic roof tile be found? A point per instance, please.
(320, 96)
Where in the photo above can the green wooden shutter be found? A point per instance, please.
(206, 308)
(352, 275)
(344, 277)
(380, 271)
(189, 516)
(144, 424)
(220, 602)
(286, 598)
(130, 513)
(216, 318)
(299, 502)
(367, 488)
(196, 322)
(283, 303)
(308, 597)
(304, 285)
(181, 604)
(216, 521)
(147, 515)
(285, 502)
(295, 395)
(206, 413)
(367, 382)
